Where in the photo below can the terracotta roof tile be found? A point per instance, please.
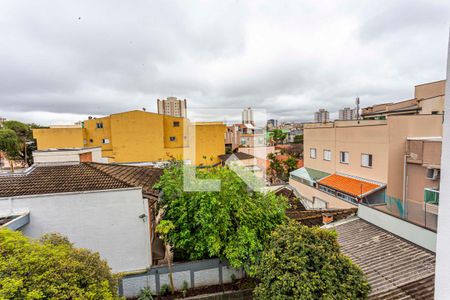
(348, 185)
(78, 178)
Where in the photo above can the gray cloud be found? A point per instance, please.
(62, 61)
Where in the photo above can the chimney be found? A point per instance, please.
(327, 218)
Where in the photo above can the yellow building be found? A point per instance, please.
(138, 136)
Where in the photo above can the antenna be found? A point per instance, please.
(357, 108)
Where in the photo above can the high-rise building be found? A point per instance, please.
(321, 116)
(247, 116)
(347, 114)
(172, 107)
(271, 123)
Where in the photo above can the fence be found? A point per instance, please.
(195, 273)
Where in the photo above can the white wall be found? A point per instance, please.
(103, 221)
(57, 156)
(442, 288)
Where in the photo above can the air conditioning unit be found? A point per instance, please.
(433, 174)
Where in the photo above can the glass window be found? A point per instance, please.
(366, 160)
(327, 155)
(172, 139)
(176, 124)
(344, 157)
(105, 141)
(313, 152)
(99, 125)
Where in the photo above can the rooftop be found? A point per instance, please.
(79, 178)
(238, 155)
(349, 185)
(315, 217)
(395, 268)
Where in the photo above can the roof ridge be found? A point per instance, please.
(91, 165)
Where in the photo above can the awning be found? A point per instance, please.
(351, 186)
(14, 221)
(308, 174)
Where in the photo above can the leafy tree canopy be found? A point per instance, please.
(306, 263)
(51, 269)
(278, 135)
(298, 139)
(233, 223)
(9, 143)
(22, 130)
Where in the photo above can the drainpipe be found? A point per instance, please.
(405, 181)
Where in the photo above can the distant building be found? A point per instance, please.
(272, 123)
(139, 136)
(428, 100)
(172, 107)
(347, 114)
(321, 116)
(68, 155)
(247, 116)
(2, 120)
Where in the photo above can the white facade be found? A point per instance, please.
(347, 114)
(67, 155)
(321, 116)
(172, 107)
(105, 221)
(247, 116)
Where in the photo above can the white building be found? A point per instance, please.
(102, 207)
(69, 155)
(247, 116)
(321, 116)
(347, 114)
(172, 107)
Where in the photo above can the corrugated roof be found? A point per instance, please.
(349, 185)
(78, 178)
(395, 268)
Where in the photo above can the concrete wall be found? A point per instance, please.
(42, 157)
(103, 221)
(408, 231)
(195, 274)
(59, 138)
(310, 193)
(430, 89)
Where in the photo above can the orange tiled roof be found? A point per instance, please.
(348, 185)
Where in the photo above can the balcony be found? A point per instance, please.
(431, 199)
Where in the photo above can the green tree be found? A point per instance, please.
(306, 263)
(10, 145)
(51, 268)
(232, 223)
(27, 144)
(278, 136)
(298, 139)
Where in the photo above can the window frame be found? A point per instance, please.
(172, 138)
(315, 153)
(176, 123)
(324, 157)
(105, 141)
(348, 157)
(370, 160)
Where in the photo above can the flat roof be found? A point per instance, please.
(426, 138)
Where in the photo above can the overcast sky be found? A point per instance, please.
(61, 61)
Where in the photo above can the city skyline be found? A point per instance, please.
(212, 56)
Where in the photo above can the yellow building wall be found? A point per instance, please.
(59, 138)
(138, 136)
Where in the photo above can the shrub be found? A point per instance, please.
(164, 290)
(306, 263)
(145, 294)
(51, 269)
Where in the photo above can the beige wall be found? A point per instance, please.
(310, 193)
(370, 139)
(428, 90)
(401, 127)
(431, 105)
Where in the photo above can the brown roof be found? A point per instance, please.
(395, 268)
(78, 178)
(294, 201)
(315, 217)
(239, 155)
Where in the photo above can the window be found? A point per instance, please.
(327, 155)
(172, 139)
(176, 124)
(313, 153)
(366, 160)
(344, 157)
(99, 125)
(91, 141)
(105, 141)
